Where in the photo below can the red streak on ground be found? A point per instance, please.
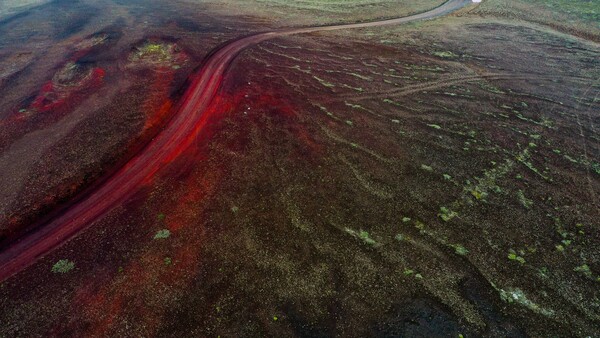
(52, 97)
(147, 277)
(159, 116)
(53, 101)
(191, 117)
(158, 105)
(291, 119)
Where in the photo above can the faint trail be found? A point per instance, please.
(368, 185)
(592, 192)
(179, 134)
(337, 138)
(445, 82)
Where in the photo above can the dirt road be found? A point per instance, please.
(168, 145)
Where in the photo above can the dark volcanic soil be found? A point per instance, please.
(439, 179)
(102, 100)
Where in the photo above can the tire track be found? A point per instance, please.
(178, 135)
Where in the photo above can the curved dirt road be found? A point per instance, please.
(170, 143)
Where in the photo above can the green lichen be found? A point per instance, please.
(491, 89)
(596, 167)
(570, 159)
(518, 296)
(478, 194)
(584, 269)
(527, 203)
(445, 54)
(157, 53)
(363, 236)
(426, 167)
(512, 255)
(525, 158)
(323, 109)
(362, 77)
(354, 106)
(419, 225)
(162, 234)
(63, 266)
(489, 181)
(323, 82)
(459, 249)
(447, 214)
(411, 272)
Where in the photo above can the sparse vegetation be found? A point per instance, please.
(584, 270)
(513, 256)
(447, 214)
(445, 54)
(527, 203)
(460, 250)
(162, 234)
(426, 167)
(451, 159)
(518, 296)
(63, 266)
(157, 54)
(363, 236)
